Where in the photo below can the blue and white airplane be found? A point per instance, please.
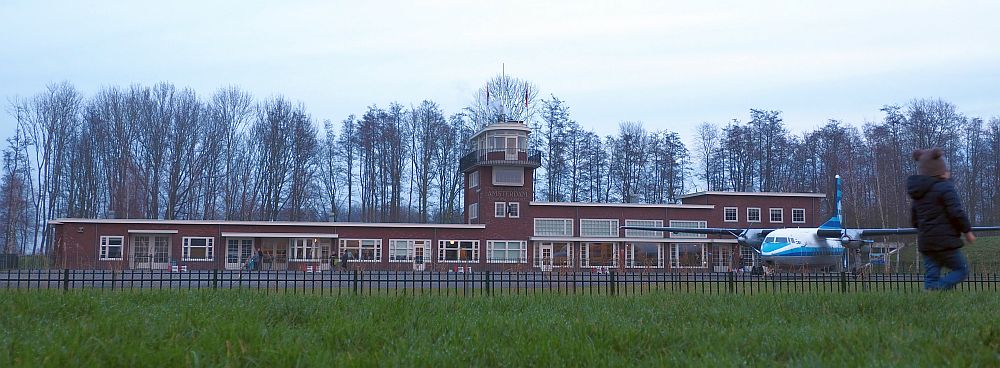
(825, 247)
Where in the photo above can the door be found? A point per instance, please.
(150, 252)
(511, 148)
(419, 251)
(722, 259)
(238, 251)
(324, 256)
(546, 257)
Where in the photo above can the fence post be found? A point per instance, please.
(731, 278)
(65, 280)
(613, 286)
(215, 279)
(488, 283)
(843, 282)
(354, 282)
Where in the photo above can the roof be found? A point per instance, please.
(756, 194)
(624, 205)
(264, 223)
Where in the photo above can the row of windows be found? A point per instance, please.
(502, 176)
(193, 248)
(775, 215)
(637, 255)
(609, 228)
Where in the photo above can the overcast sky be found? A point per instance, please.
(670, 65)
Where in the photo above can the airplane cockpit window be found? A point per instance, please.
(778, 239)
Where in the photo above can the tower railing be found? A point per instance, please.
(499, 156)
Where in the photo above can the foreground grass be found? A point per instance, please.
(232, 328)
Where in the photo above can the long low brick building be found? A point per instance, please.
(503, 230)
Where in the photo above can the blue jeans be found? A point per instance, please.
(951, 259)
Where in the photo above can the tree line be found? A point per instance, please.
(164, 152)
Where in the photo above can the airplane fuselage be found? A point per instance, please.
(800, 247)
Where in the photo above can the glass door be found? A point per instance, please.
(238, 251)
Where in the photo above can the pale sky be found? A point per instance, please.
(670, 65)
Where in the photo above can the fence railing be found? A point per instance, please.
(359, 282)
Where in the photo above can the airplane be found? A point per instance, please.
(828, 246)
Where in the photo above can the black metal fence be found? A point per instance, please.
(478, 283)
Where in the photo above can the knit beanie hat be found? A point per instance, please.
(930, 162)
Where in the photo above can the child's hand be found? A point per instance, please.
(970, 237)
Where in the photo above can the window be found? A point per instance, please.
(473, 179)
(798, 215)
(599, 255)
(685, 255)
(553, 227)
(501, 209)
(777, 215)
(197, 249)
(602, 227)
(402, 250)
(508, 176)
(473, 211)
(513, 209)
(111, 248)
(456, 251)
(643, 233)
(688, 224)
(506, 251)
(753, 214)
(362, 250)
(643, 255)
(305, 249)
(730, 214)
(556, 254)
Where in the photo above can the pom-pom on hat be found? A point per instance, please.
(930, 162)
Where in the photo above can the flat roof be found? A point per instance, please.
(756, 194)
(264, 223)
(623, 205)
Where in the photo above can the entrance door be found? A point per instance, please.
(419, 258)
(150, 252)
(511, 148)
(324, 256)
(546, 257)
(238, 251)
(722, 259)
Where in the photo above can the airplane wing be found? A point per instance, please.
(699, 230)
(910, 230)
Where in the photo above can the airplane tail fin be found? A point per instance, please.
(833, 226)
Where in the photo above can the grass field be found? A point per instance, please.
(983, 256)
(232, 328)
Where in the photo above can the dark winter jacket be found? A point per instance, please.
(936, 213)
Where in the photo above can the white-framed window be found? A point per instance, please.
(687, 255)
(361, 250)
(508, 176)
(513, 209)
(401, 250)
(197, 248)
(304, 249)
(553, 227)
(474, 179)
(599, 227)
(604, 254)
(643, 255)
(643, 233)
(776, 215)
(506, 251)
(500, 209)
(753, 214)
(730, 214)
(473, 211)
(798, 215)
(458, 251)
(688, 224)
(111, 248)
(555, 254)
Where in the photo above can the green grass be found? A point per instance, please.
(983, 256)
(233, 328)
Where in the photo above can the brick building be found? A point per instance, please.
(503, 230)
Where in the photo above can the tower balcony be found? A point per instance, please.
(500, 157)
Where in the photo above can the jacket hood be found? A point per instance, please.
(918, 185)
